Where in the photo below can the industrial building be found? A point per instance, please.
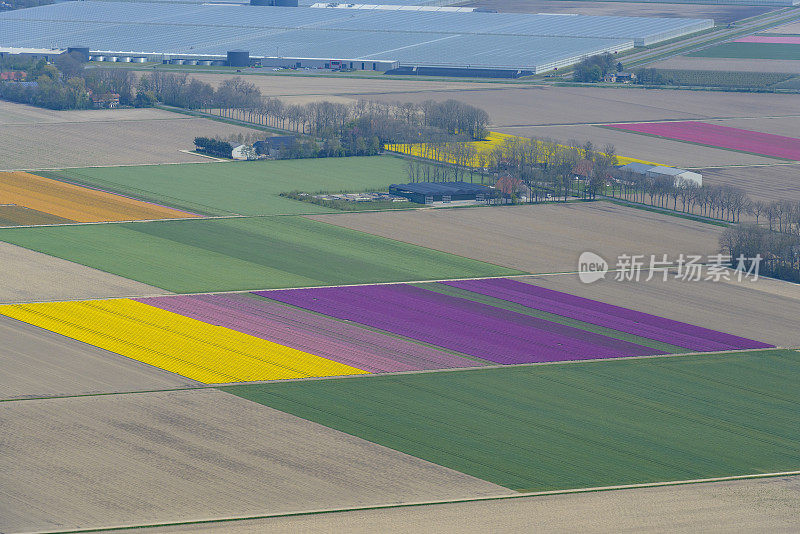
(430, 192)
(362, 39)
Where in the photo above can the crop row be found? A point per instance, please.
(469, 327)
(335, 340)
(609, 316)
(178, 344)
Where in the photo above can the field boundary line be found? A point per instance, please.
(168, 293)
(222, 385)
(518, 495)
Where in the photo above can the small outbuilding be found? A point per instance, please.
(244, 152)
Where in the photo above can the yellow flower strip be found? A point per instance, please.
(484, 147)
(77, 203)
(188, 347)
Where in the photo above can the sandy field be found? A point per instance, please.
(775, 182)
(721, 14)
(762, 505)
(542, 238)
(540, 105)
(30, 276)
(729, 64)
(792, 27)
(43, 139)
(38, 363)
(765, 310)
(645, 147)
(147, 457)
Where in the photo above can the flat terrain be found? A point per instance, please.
(786, 126)
(721, 14)
(247, 187)
(548, 427)
(657, 150)
(766, 310)
(541, 238)
(733, 506)
(539, 105)
(41, 139)
(791, 28)
(31, 276)
(75, 203)
(276, 85)
(729, 64)
(194, 255)
(751, 51)
(774, 182)
(171, 456)
(38, 363)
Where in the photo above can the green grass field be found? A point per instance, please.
(751, 51)
(550, 427)
(247, 187)
(191, 256)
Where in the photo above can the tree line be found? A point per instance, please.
(779, 250)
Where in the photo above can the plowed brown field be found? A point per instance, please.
(13, 215)
(75, 203)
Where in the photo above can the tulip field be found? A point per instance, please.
(336, 331)
(52, 202)
(714, 135)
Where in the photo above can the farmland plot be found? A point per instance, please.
(248, 188)
(42, 139)
(658, 150)
(133, 459)
(66, 202)
(541, 106)
(38, 363)
(30, 276)
(760, 182)
(730, 64)
(193, 256)
(737, 505)
(577, 425)
(716, 135)
(766, 310)
(540, 238)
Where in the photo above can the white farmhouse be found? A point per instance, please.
(244, 152)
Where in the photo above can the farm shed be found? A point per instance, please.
(429, 192)
(243, 152)
(676, 174)
(650, 171)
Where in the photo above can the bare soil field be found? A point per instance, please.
(35, 139)
(760, 505)
(774, 182)
(139, 458)
(543, 238)
(15, 114)
(791, 28)
(37, 363)
(645, 147)
(787, 126)
(729, 64)
(30, 276)
(766, 309)
(291, 85)
(540, 105)
(720, 13)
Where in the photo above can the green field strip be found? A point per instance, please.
(554, 427)
(750, 51)
(552, 317)
(196, 255)
(242, 187)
